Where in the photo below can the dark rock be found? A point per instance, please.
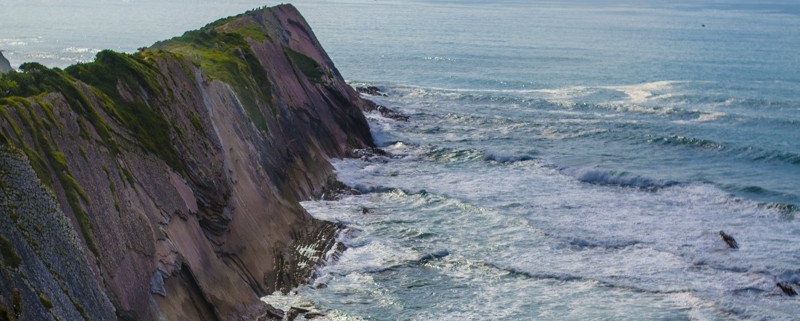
(391, 113)
(294, 312)
(271, 314)
(5, 66)
(312, 315)
(729, 240)
(157, 283)
(371, 90)
(434, 256)
(334, 190)
(786, 288)
(369, 154)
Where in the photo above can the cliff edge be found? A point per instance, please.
(165, 184)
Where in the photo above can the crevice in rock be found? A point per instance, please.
(198, 300)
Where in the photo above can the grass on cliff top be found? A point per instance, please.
(136, 75)
(221, 51)
(149, 128)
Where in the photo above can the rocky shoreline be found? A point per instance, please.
(171, 178)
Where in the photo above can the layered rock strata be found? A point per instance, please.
(165, 184)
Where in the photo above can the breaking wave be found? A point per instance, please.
(624, 179)
(503, 158)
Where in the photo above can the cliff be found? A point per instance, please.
(5, 65)
(165, 184)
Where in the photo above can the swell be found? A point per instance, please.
(616, 178)
(505, 100)
(567, 277)
(581, 243)
(666, 98)
(750, 152)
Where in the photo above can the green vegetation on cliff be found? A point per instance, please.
(113, 73)
(222, 52)
(307, 65)
(31, 133)
(128, 89)
(9, 254)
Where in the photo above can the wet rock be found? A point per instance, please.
(271, 314)
(312, 315)
(786, 288)
(389, 113)
(729, 240)
(294, 312)
(371, 90)
(369, 154)
(434, 256)
(334, 190)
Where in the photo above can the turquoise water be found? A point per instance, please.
(563, 161)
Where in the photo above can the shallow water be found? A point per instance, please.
(563, 160)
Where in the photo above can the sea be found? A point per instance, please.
(562, 160)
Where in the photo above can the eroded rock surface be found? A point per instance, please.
(166, 183)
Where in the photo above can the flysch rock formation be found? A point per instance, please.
(165, 184)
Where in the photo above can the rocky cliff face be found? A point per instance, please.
(5, 66)
(165, 184)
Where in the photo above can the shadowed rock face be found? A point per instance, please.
(165, 184)
(5, 66)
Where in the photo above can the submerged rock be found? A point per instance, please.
(729, 240)
(786, 288)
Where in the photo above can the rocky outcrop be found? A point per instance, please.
(5, 66)
(371, 90)
(165, 184)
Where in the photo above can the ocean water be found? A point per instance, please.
(563, 160)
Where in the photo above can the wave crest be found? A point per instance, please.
(625, 179)
(677, 140)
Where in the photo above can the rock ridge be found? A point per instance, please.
(165, 184)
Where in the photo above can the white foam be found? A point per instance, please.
(710, 116)
(641, 93)
(80, 50)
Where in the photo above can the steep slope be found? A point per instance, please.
(167, 182)
(5, 66)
